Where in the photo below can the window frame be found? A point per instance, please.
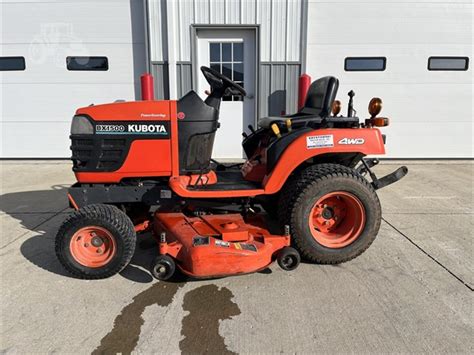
(232, 62)
(384, 61)
(466, 58)
(68, 58)
(14, 57)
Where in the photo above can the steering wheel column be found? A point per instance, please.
(219, 85)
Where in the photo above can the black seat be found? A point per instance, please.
(318, 104)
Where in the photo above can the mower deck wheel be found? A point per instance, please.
(163, 267)
(288, 258)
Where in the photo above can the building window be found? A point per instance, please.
(228, 59)
(365, 63)
(87, 63)
(448, 63)
(12, 63)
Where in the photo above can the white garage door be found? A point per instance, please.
(37, 103)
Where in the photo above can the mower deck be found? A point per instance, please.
(217, 245)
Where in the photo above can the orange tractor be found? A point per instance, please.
(146, 166)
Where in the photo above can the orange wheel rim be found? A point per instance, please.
(93, 246)
(337, 219)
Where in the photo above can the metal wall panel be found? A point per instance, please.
(294, 20)
(264, 89)
(279, 20)
(160, 74)
(278, 32)
(201, 11)
(280, 40)
(184, 78)
(278, 88)
(264, 19)
(185, 19)
(292, 79)
(249, 11)
(217, 8)
(232, 12)
(155, 11)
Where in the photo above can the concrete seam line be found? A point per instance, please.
(428, 255)
(33, 228)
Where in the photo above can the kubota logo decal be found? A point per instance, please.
(356, 141)
(156, 128)
(146, 128)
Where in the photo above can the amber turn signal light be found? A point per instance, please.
(380, 121)
(336, 107)
(375, 106)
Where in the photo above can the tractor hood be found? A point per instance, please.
(129, 111)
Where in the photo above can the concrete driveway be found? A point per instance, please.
(410, 292)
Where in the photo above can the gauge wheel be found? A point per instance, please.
(163, 267)
(95, 242)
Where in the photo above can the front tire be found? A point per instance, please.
(333, 212)
(96, 242)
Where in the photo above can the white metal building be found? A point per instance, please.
(414, 54)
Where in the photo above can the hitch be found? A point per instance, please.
(384, 181)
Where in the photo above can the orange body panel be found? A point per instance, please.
(356, 140)
(253, 250)
(364, 140)
(146, 157)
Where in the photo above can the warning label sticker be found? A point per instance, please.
(221, 243)
(323, 141)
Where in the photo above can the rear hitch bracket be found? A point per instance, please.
(383, 181)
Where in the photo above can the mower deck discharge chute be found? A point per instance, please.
(146, 166)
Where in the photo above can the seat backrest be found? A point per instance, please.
(321, 95)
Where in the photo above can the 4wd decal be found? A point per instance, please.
(148, 128)
(356, 141)
(322, 141)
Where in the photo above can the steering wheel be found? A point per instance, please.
(221, 82)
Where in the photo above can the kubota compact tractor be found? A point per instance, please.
(146, 166)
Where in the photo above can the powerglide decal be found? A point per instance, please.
(147, 128)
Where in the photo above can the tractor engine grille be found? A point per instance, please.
(95, 153)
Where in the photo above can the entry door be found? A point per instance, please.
(231, 52)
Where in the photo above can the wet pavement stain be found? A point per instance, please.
(207, 305)
(127, 326)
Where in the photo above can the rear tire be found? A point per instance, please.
(96, 242)
(333, 212)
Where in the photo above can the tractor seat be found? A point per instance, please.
(318, 104)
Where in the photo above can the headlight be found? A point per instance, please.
(375, 106)
(81, 125)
